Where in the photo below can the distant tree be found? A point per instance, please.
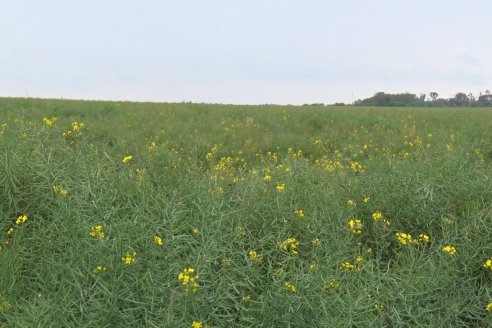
(433, 95)
(422, 96)
(460, 99)
(487, 92)
(484, 100)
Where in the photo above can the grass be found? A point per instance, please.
(223, 187)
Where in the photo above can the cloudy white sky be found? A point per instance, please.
(255, 51)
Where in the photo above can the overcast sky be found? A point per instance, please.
(255, 51)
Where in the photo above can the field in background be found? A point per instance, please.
(187, 215)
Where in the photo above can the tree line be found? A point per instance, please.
(461, 99)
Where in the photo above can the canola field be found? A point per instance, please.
(116, 214)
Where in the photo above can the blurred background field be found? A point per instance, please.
(196, 215)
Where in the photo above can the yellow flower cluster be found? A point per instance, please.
(404, 238)
(76, 130)
(253, 256)
(158, 240)
(152, 146)
(224, 164)
(49, 121)
(21, 219)
(97, 231)
(280, 187)
(291, 245)
(5, 306)
(59, 190)
(423, 238)
(196, 324)
(488, 307)
(290, 287)
(449, 249)
(348, 266)
(129, 258)
(213, 151)
(376, 216)
(355, 226)
(99, 269)
(357, 167)
(127, 159)
(351, 203)
(332, 285)
(300, 213)
(488, 264)
(293, 153)
(188, 278)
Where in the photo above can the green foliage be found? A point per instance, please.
(411, 100)
(223, 187)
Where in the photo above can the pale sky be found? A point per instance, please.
(243, 52)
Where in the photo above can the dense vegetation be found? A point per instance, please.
(184, 215)
(412, 100)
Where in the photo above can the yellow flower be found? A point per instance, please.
(365, 200)
(253, 256)
(333, 284)
(127, 159)
(240, 231)
(357, 167)
(359, 259)
(196, 324)
(152, 146)
(378, 307)
(300, 213)
(355, 226)
(404, 238)
(290, 245)
(129, 258)
(158, 240)
(195, 232)
(489, 307)
(188, 278)
(424, 238)
(4, 306)
(290, 287)
(21, 219)
(449, 249)
(267, 177)
(10, 231)
(246, 299)
(281, 187)
(60, 191)
(376, 216)
(315, 242)
(49, 121)
(99, 269)
(351, 203)
(97, 231)
(348, 266)
(313, 266)
(488, 264)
